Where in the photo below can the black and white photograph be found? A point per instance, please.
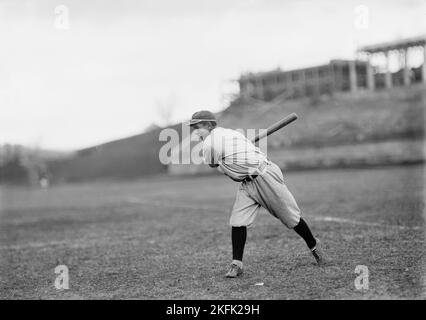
(212, 150)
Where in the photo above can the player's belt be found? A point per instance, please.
(259, 170)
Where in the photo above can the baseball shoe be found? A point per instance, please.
(318, 253)
(234, 271)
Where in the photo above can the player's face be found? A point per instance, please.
(201, 130)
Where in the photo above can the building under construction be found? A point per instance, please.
(339, 75)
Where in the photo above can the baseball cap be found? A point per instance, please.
(201, 116)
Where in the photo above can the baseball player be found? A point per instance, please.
(261, 185)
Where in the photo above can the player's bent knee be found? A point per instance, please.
(290, 222)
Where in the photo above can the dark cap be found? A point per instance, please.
(201, 116)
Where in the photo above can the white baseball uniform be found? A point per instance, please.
(239, 159)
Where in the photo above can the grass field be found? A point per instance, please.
(168, 238)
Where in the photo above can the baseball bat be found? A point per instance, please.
(276, 126)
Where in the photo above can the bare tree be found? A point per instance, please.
(166, 108)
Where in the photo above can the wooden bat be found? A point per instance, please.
(276, 126)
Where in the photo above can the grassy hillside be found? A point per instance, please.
(341, 129)
(340, 119)
(359, 155)
(127, 158)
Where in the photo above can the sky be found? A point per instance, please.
(78, 73)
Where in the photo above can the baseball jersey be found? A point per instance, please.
(237, 156)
